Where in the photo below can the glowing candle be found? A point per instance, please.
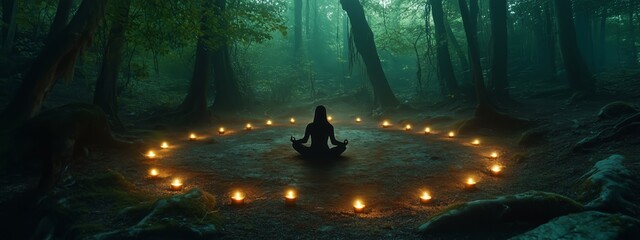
(193, 137)
(290, 198)
(292, 121)
(476, 142)
(237, 199)
(221, 130)
(248, 127)
(151, 154)
(470, 183)
(427, 130)
(164, 145)
(358, 120)
(452, 134)
(358, 207)
(425, 197)
(329, 118)
(494, 155)
(407, 127)
(153, 172)
(176, 185)
(496, 169)
(269, 123)
(385, 124)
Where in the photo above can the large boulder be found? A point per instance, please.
(522, 210)
(586, 225)
(611, 186)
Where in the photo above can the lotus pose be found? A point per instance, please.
(320, 131)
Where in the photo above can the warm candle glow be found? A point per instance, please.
(221, 130)
(237, 198)
(151, 154)
(248, 127)
(385, 124)
(358, 120)
(407, 127)
(425, 197)
(290, 198)
(329, 118)
(292, 120)
(153, 172)
(496, 169)
(476, 142)
(164, 145)
(291, 194)
(358, 206)
(471, 183)
(494, 155)
(193, 136)
(427, 130)
(176, 185)
(452, 134)
(269, 123)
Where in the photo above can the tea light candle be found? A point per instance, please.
(237, 199)
(470, 183)
(358, 207)
(221, 130)
(494, 155)
(407, 127)
(452, 134)
(425, 197)
(248, 127)
(292, 121)
(385, 124)
(496, 170)
(290, 198)
(329, 118)
(269, 123)
(427, 130)
(476, 141)
(193, 137)
(164, 145)
(153, 172)
(151, 154)
(176, 185)
(358, 120)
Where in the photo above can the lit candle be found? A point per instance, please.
(358, 207)
(221, 130)
(407, 127)
(494, 155)
(427, 130)
(476, 142)
(385, 124)
(470, 183)
(237, 199)
(452, 134)
(151, 154)
(358, 120)
(153, 172)
(248, 127)
(425, 197)
(290, 198)
(176, 185)
(164, 145)
(193, 137)
(329, 118)
(496, 169)
(269, 123)
(292, 121)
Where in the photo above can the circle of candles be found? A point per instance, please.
(151, 154)
(470, 183)
(476, 141)
(290, 198)
(425, 197)
(385, 124)
(358, 120)
(292, 121)
(496, 169)
(153, 172)
(329, 118)
(193, 137)
(176, 185)
(452, 134)
(237, 199)
(164, 145)
(358, 207)
(407, 127)
(494, 155)
(221, 130)
(269, 123)
(248, 127)
(427, 130)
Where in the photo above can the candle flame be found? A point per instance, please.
(476, 142)
(427, 130)
(385, 124)
(238, 196)
(291, 194)
(269, 122)
(407, 127)
(471, 181)
(496, 168)
(164, 145)
(176, 182)
(151, 154)
(248, 127)
(358, 119)
(192, 136)
(494, 154)
(153, 172)
(452, 134)
(358, 204)
(329, 118)
(292, 120)
(426, 196)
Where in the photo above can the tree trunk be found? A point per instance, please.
(499, 83)
(584, 34)
(307, 21)
(61, 18)
(228, 93)
(366, 46)
(297, 26)
(578, 73)
(551, 43)
(602, 45)
(462, 57)
(105, 94)
(194, 104)
(56, 60)
(8, 25)
(445, 68)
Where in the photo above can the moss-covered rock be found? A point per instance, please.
(523, 210)
(616, 110)
(586, 225)
(192, 215)
(610, 186)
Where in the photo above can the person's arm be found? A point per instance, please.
(305, 138)
(332, 136)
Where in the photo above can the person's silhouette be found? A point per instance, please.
(320, 131)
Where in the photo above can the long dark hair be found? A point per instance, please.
(321, 115)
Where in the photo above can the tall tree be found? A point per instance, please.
(578, 73)
(106, 85)
(366, 46)
(61, 18)
(57, 59)
(551, 42)
(445, 68)
(499, 83)
(8, 25)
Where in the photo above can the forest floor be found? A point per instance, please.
(387, 168)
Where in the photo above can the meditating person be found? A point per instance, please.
(320, 131)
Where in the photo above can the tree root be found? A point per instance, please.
(618, 131)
